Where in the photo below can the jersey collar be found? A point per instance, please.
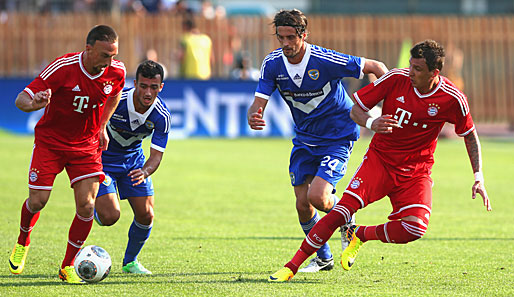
(137, 119)
(298, 69)
(85, 71)
(431, 93)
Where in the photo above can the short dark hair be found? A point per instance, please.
(188, 22)
(101, 33)
(292, 18)
(149, 69)
(431, 51)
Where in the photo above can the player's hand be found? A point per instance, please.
(479, 188)
(255, 121)
(103, 139)
(41, 99)
(137, 176)
(384, 124)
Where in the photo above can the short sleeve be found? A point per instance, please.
(266, 85)
(370, 95)
(461, 117)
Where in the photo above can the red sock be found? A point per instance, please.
(27, 222)
(320, 233)
(365, 233)
(77, 235)
(400, 231)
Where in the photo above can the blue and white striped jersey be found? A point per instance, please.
(314, 92)
(127, 127)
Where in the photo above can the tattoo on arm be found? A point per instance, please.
(473, 148)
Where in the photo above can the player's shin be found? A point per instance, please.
(77, 235)
(138, 234)
(400, 231)
(319, 235)
(27, 222)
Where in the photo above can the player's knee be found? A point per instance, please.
(302, 207)
(37, 200)
(320, 201)
(146, 219)
(36, 205)
(110, 218)
(85, 208)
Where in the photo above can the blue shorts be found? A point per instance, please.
(116, 176)
(328, 162)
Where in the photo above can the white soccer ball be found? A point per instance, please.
(92, 263)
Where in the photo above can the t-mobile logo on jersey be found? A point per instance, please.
(80, 102)
(404, 116)
(401, 117)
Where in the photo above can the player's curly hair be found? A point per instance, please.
(292, 18)
(149, 69)
(431, 51)
(101, 33)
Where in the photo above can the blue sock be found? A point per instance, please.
(324, 251)
(97, 219)
(138, 234)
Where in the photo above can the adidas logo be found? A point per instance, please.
(76, 89)
(297, 76)
(401, 99)
(329, 172)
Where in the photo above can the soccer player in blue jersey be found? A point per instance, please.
(139, 114)
(308, 77)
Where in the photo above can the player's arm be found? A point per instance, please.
(27, 104)
(255, 113)
(383, 124)
(374, 67)
(474, 152)
(110, 107)
(139, 175)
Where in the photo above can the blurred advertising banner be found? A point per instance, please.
(198, 108)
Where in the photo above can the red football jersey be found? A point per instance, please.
(71, 120)
(409, 149)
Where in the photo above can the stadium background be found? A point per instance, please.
(34, 32)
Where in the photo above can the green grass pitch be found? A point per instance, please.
(225, 219)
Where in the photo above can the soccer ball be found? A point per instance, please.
(92, 263)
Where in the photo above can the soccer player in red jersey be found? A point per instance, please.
(79, 92)
(417, 103)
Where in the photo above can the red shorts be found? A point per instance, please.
(46, 163)
(374, 179)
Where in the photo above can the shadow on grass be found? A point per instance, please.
(302, 238)
(161, 278)
(240, 238)
(468, 239)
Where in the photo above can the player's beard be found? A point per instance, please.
(99, 68)
(292, 54)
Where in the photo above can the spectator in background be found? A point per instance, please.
(210, 12)
(196, 56)
(181, 8)
(151, 54)
(243, 69)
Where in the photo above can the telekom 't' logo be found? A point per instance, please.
(80, 102)
(402, 116)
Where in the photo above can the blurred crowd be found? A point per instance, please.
(203, 7)
(194, 59)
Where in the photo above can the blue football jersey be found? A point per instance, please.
(314, 92)
(127, 128)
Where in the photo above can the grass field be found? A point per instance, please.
(225, 219)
